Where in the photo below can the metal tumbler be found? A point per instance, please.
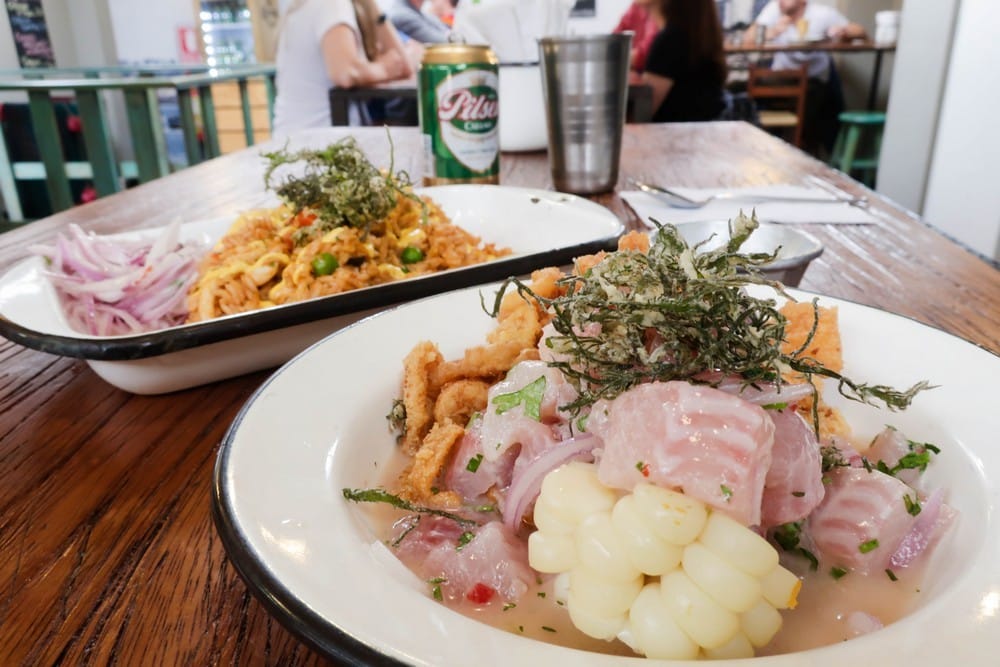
(585, 79)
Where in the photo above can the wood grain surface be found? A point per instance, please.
(108, 554)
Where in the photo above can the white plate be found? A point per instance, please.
(543, 228)
(318, 426)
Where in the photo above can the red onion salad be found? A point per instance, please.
(113, 287)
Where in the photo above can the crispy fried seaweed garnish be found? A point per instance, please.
(674, 313)
(337, 183)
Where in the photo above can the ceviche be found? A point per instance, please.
(639, 460)
(343, 224)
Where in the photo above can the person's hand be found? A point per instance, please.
(396, 64)
(783, 23)
(414, 53)
(838, 33)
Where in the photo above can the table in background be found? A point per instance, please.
(640, 99)
(857, 46)
(109, 554)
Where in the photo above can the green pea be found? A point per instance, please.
(411, 255)
(324, 264)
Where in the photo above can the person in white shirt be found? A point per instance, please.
(320, 46)
(797, 22)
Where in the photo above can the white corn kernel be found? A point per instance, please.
(760, 623)
(592, 623)
(551, 552)
(653, 630)
(735, 590)
(548, 519)
(738, 545)
(601, 596)
(781, 588)
(703, 619)
(600, 548)
(572, 492)
(647, 551)
(673, 516)
(560, 588)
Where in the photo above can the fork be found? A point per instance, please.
(677, 200)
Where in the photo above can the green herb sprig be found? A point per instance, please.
(674, 313)
(383, 496)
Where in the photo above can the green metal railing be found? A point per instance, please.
(141, 88)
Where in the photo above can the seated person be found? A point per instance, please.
(796, 21)
(408, 18)
(637, 19)
(320, 46)
(686, 65)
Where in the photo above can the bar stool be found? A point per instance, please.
(855, 127)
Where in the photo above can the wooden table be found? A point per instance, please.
(107, 550)
(856, 46)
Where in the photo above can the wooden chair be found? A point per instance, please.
(784, 94)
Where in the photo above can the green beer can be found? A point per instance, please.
(459, 113)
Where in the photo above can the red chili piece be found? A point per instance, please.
(480, 593)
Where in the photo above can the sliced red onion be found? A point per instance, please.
(760, 393)
(921, 533)
(112, 287)
(768, 394)
(527, 482)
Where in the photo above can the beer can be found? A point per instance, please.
(458, 86)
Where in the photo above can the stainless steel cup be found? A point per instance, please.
(585, 79)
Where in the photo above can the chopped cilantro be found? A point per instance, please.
(798, 494)
(473, 464)
(868, 546)
(508, 606)
(892, 575)
(787, 535)
(837, 572)
(548, 629)
(912, 504)
(436, 592)
(775, 406)
(464, 539)
(809, 556)
(727, 493)
(541, 594)
(530, 396)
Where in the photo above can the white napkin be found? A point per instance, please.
(512, 27)
(647, 206)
